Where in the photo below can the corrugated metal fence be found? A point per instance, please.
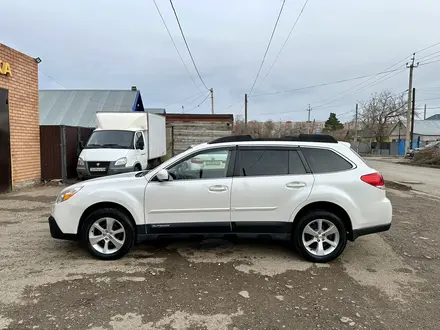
(60, 148)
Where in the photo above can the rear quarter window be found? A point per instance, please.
(325, 161)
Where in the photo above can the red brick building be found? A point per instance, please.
(19, 120)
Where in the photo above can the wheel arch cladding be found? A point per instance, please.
(329, 207)
(105, 205)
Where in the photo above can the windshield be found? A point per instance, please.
(111, 139)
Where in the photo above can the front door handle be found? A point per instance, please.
(296, 185)
(218, 188)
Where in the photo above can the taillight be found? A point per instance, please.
(374, 179)
(196, 161)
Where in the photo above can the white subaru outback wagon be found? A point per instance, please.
(311, 190)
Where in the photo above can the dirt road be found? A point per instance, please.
(423, 179)
(386, 281)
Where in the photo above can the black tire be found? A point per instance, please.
(137, 168)
(123, 219)
(308, 219)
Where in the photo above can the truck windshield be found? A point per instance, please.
(111, 139)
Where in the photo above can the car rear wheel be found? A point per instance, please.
(108, 234)
(320, 236)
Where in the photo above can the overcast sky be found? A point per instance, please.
(108, 44)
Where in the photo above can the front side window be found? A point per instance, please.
(207, 164)
(325, 161)
(111, 139)
(139, 140)
(263, 162)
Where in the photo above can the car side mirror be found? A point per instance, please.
(163, 175)
(140, 145)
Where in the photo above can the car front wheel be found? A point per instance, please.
(320, 236)
(108, 234)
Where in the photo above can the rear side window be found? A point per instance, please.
(325, 161)
(269, 162)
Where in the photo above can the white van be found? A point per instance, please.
(123, 142)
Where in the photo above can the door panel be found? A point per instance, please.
(265, 204)
(269, 183)
(5, 148)
(188, 206)
(196, 200)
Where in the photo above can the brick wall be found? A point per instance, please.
(24, 119)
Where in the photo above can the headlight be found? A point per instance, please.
(80, 162)
(121, 161)
(67, 194)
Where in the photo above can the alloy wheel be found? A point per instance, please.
(320, 237)
(107, 235)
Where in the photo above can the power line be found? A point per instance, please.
(267, 48)
(429, 47)
(187, 47)
(198, 105)
(285, 41)
(326, 84)
(187, 98)
(378, 80)
(429, 62)
(230, 106)
(374, 83)
(52, 78)
(175, 46)
(281, 112)
(429, 55)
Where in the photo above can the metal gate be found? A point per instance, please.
(5, 147)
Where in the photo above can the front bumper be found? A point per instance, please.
(84, 173)
(56, 232)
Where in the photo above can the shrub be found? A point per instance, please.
(427, 157)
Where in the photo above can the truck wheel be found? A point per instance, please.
(108, 234)
(137, 168)
(320, 236)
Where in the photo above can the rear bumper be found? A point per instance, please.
(369, 230)
(56, 232)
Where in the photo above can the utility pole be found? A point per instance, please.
(356, 129)
(212, 100)
(424, 113)
(408, 112)
(412, 115)
(245, 113)
(308, 119)
(279, 129)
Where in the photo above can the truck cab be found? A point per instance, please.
(123, 142)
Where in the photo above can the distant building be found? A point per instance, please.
(424, 130)
(434, 117)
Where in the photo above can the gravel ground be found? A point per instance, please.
(385, 281)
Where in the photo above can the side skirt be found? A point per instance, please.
(246, 229)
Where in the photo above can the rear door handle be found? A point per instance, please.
(218, 188)
(296, 185)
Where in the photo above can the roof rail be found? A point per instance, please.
(299, 138)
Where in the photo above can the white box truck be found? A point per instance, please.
(123, 142)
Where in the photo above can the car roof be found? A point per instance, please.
(273, 143)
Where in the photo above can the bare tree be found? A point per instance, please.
(381, 110)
